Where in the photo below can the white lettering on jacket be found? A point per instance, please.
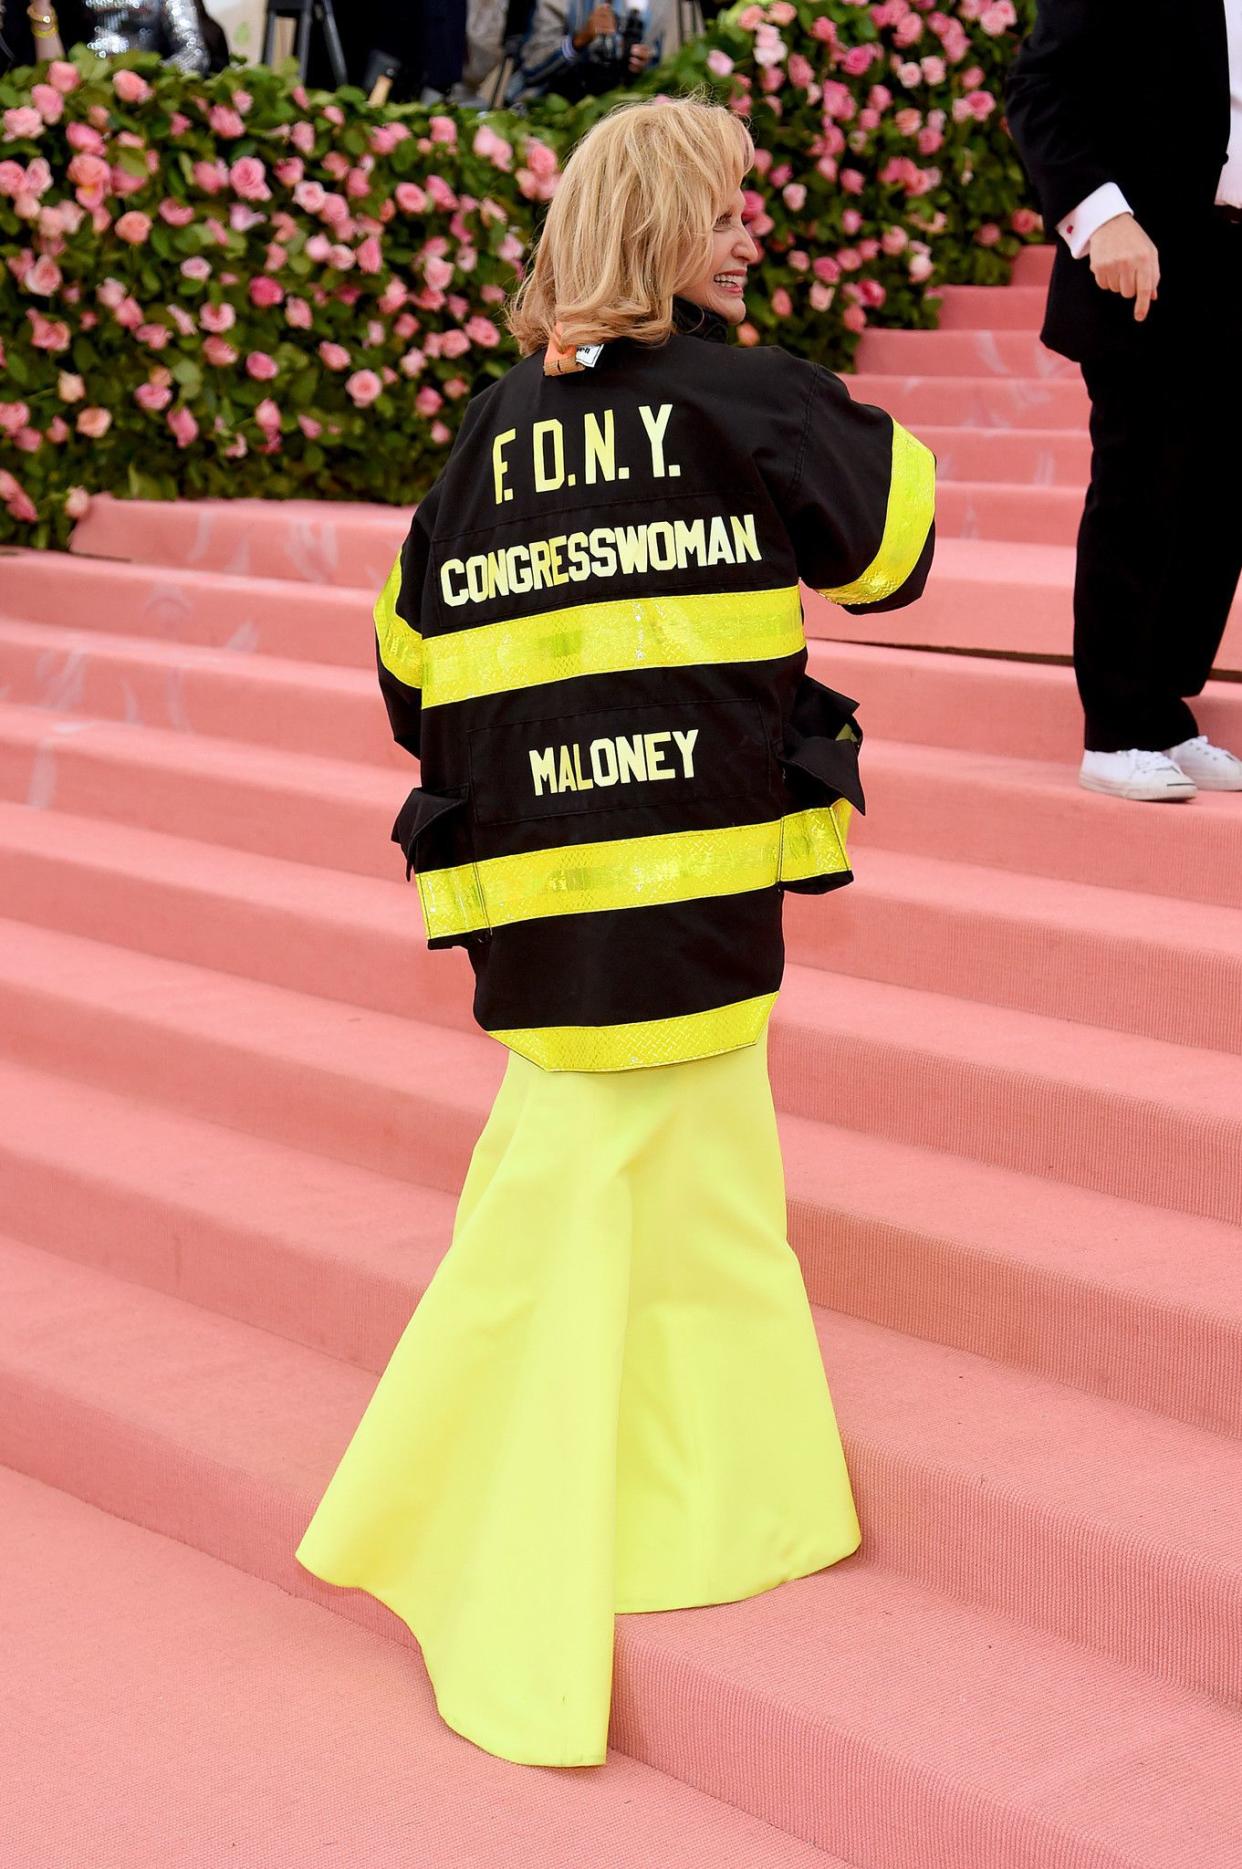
(604, 552)
(612, 761)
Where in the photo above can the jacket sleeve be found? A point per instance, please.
(1049, 106)
(861, 509)
(398, 616)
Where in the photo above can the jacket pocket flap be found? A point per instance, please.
(834, 763)
(420, 810)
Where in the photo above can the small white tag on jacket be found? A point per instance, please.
(588, 355)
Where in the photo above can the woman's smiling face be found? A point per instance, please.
(722, 288)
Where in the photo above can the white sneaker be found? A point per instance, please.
(1137, 773)
(1211, 767)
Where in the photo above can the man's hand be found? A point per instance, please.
(1124, 260)
(640, 55)
(602, 19)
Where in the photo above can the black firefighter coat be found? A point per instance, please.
(593, 642)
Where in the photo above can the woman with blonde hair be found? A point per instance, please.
(611, 1397)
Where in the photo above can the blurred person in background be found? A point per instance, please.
(1142, 180)
(579, 48)
(181, 31)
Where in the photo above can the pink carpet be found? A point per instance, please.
(238, 1100)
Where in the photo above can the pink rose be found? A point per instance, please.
(302, 136)
(852, 181)
(178, 124)
(196, 267)
(493, 147)
(442, 194)
(298, 313)
(988, 234)
(821, 296)
(48, 101)
(176, 213)
(225, 122)
(77, 503)
(794, 196)
(370, 257)
(428, 400)
(184, 427)
(63, 77)
(70, 388)
(261, 367)
(858, 60)
(133, 227)
(920, 267)
(481, 331)
(363, 387)
(50, 334)
(333, 356)
(154, 335)
(265, 292)
(94, 423)
(410, 198)
(153, 396)
(310, 427)
(219, 351)
(438, 273)
(43, 277)
(22, 120)
(249, 179)
(454, 344)
(80, 136)
(933, 70)
(210, 177)
(782, 304)
(851, 221)
(341, 257)
(289, 171)
(13, 415)
(310, 196)
(267, 415)
(217, 317)
(131, 88)
(1024, 221)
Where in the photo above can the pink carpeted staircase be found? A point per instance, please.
(239, 1096)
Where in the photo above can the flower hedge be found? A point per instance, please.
(231, 286)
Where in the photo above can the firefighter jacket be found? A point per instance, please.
(592, 639)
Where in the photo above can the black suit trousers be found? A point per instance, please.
(1160, 543)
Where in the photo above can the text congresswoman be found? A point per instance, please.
(603, 552)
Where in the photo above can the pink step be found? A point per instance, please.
(1029, 1746)
(978, 510)
(977, 401)
(989, 595)
(311, 541)
(1062, 1282)
(1131, 1116)
(1103, 957)
(991, 308)
(962, 353)
(247, 615)
(1029, 816)
(1033, 265)
(992, 705)
(1031, 457)
(330, 1719)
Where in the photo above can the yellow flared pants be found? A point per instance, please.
(610, 1398)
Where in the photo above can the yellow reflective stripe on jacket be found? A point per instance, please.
(911, 507)
(645, 1042)
(631, 872)
(400, 647)
(609, 637)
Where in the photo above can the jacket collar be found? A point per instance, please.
(699, 321)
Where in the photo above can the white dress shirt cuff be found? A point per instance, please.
(1103, 204)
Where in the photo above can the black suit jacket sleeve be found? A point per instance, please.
(1051, 112)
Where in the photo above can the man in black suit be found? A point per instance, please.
(1129, 122)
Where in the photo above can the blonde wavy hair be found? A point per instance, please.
(631, 223)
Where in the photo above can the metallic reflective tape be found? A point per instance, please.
(911, 508)
(400, 647)
(630, 872)
(647, 1042)
(814, 842)
(605, 638)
